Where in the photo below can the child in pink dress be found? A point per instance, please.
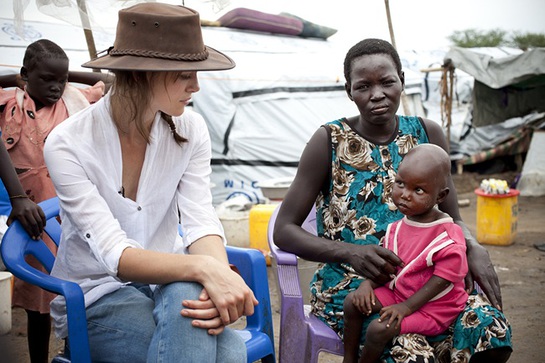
(428, 292)
(27, 116)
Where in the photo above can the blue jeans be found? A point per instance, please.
(135, 324)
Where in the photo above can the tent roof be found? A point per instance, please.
(498, 67)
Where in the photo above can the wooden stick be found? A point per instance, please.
(86, 24)
(404, 100)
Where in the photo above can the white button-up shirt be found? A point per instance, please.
(83, 155)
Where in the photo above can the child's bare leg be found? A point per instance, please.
(38, 331)
(377, 337)
(353, 322)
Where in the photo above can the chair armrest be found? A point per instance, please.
(253, 269)
(282, 257)
(51, 210)
(16, 244)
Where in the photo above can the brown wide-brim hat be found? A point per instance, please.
(160, 37)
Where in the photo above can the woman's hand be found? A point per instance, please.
(374, 262)
(204, 314)
(226, 289)
(482, 271)
(29, 214)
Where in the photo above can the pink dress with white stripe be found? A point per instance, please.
(436, 248)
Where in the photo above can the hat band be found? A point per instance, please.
(154, 54)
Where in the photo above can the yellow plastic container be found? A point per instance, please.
(497, 216)
(259, 222)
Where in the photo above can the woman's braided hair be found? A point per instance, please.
(179, 138)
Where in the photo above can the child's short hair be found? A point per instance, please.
(41, 49)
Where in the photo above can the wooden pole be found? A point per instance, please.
(404, 101)
(390, 26)
(86, 24)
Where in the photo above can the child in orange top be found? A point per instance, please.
(27, 116)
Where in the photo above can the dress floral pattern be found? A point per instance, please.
(356, 208)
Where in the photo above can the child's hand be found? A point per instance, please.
(394, 313)
(364, 298)
(29, 214)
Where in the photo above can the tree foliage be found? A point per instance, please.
(528, 40)
(472, 38)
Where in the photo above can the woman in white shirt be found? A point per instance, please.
(127, 171)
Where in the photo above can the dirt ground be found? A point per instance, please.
(520, 267)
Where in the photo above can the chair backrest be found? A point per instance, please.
(302, 335)
(258, 333)
(283, 257)
(17, 244)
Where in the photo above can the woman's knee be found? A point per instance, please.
(170, 296)
(186, 290)
(231, 347)
(168, 301)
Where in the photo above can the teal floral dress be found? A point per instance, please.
(356, 208)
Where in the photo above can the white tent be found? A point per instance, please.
(262, 113)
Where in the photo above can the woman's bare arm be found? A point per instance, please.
(371, 261)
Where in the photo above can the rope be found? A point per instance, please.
(153, 54)
(447, 85)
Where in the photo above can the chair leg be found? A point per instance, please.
(268, 359)
(294, 351)
(314, 355)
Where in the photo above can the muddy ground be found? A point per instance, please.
(520, 266)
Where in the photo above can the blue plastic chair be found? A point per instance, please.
(16, 244)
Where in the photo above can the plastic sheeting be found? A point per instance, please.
(486, 137)
(507, 100)
(532, 180)
(262, 113)
(499, 67)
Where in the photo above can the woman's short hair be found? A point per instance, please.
(370, 46)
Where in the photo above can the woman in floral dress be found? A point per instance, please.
(347, 172)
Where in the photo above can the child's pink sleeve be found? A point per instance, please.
(94, 92)
(6, 95)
